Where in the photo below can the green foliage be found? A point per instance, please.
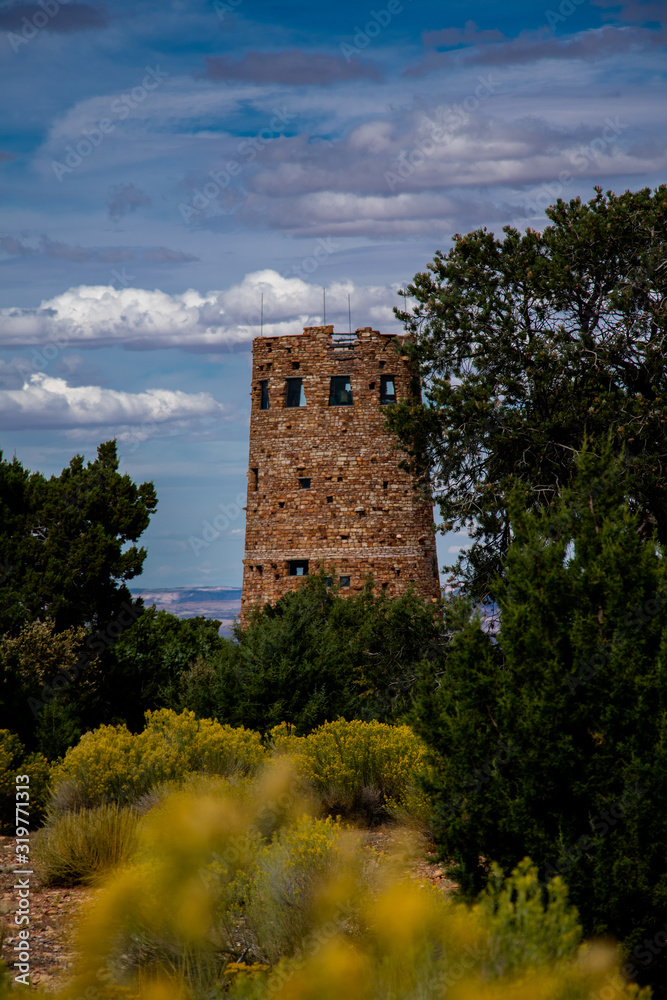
(315, 656)
(35, 663)
(549, 738)
(530, 924)
(110, 764)
(14, 760)
(359, 767)
(79, 848)
(65, 539)
(150, 658)
(283, 884)
(526, 344)
(66, 557)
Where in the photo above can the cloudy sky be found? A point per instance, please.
(163, 165)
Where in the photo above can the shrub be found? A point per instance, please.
(110, 764)
(284, 883)
(359, 767)
(77, 848)
(13, 761)
(163, 928)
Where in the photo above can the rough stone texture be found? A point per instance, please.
(360, 513)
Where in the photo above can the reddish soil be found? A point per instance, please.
(53, 914)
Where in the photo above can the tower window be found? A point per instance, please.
(340, 393)
(387, 389)
(329, 499)
(296, 364)
(254, 482)
(294, 394)
(297, 567)
(304, 483)
(264, 394)
(344, 581)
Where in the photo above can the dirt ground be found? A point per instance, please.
(54, 912)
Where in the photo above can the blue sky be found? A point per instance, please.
(164, 165)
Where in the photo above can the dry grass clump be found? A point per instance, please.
(79, 848)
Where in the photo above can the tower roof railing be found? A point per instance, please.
(344, 341)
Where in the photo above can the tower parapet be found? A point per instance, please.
(324, 487)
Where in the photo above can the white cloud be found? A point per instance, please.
(101, 315)
(48, 402)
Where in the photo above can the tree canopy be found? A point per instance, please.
(64, 541)
(525, 345)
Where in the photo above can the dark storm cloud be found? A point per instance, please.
(125, 198)
(63, 251)
(65, 19)
(596, 44)
(294, 67)
(169, 256)
(14, 247)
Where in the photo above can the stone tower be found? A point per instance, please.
(324, 487)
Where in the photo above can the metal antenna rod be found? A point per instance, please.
(349, 313)
(261, 317)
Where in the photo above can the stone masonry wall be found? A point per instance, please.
(360, 513)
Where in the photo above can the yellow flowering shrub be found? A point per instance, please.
(284, 881)
(13, 761)
(110, 764)
(357, 764)
(174, 925)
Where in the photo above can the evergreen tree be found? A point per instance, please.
(524, 345)
(315, 656)
(549, 734)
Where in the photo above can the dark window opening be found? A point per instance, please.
(281, 504)
(296, 364)
(385, 484)
(259, 569)
(269, 366)
(294, 394)
(304, 483)
(255, 480)
(387, 389)
(344, 581)
(381, 365)
(384, 586)
(398, 572)
(371, 385)
(340, 479)
(340, 393)
(264, 394)
(329, 499)
(297, 567)
(328, 582)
